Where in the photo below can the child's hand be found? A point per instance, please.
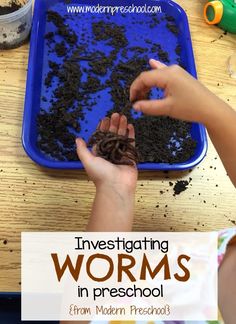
(184, 97)
(103, 173)
(187, 99)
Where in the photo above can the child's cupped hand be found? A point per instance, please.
(184, 97)
(102, 172)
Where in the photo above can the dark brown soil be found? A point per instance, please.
(12, 7)
(114, 34)
(158, 139)
(178, 50)
(114, 148)
(180, 186)
(60, 49)
(170, 19)
(6, 46)
(163, 55)
(21, 28)
(120, 82)
(173, 28)
(63, 30)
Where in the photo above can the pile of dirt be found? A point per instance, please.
(12, 7)
(180, 186)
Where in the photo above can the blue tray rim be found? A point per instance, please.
(50, 164)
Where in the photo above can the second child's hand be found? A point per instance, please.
(187, 99)
(184, 97)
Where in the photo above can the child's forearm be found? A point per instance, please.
(113, 210)
(221, 126)
(227, 286)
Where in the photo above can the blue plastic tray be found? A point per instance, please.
(38, 68)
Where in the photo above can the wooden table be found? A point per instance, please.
(35, 199)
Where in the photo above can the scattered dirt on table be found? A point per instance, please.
(220, 37)
(232, 221)
(180, 186)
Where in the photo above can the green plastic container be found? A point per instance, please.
(221, 13)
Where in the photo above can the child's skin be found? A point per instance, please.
(187, 99)
(113, 206)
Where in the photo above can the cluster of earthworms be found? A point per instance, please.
(114, 148)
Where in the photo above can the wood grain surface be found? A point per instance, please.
(35, 199)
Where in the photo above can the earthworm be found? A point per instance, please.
(117, 149)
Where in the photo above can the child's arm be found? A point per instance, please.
(113, 206)
(227, 285)
(187, 99)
